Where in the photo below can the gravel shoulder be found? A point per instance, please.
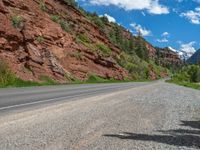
(154, 116)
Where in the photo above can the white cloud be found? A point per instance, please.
(141, 29)
(198, 1)
(152, 6)
(180, 1)
(165, 34)
(156, 8)
(110, 18)
(164, 40)
(192, 16)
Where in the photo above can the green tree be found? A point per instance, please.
(71, 2)
(140, 48)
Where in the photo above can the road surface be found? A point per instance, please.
(124, 116)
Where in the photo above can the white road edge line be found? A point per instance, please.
(32, 103)
(43, 101)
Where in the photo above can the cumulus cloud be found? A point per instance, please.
(193, 15)
(152, 6)
(165, 36)
(141, 29)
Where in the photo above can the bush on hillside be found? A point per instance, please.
(194, 73)
(6, 76)
(16, 21)
(188, 74)
(103, 49)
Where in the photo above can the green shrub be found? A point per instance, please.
(6, 76)
(83, 38)
(104, 50)
(64, 25)
(188, 76)
(40, 39)
(194, 72)
(95, 79)
(16, 21)
(55, 18)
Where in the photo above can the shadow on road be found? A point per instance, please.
(179, 137)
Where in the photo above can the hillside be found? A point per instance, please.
(57, 40)
(168, 58)
(195, 59)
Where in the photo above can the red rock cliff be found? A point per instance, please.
(39, 46)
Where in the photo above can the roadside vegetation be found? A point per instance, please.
(188, 76)
(9, 79)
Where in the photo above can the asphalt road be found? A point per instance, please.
(127, 116)
(27, 97)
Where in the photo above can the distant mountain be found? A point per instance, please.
(184, 55)
(195, 58)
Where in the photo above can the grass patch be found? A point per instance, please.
(83, 38)
(63, 24)
(103, 49)
(55, 18)
(47, 80)
(96, 79)
(9, 79)
(186, 84)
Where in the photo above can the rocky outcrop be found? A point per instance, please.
(168, 58)
(34, 44)
(151, 51)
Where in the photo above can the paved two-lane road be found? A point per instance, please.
(126, 116)
(27, 97)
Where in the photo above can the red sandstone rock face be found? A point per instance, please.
(151, 50)
(39, 46)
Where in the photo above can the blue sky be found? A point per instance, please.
(174, 23)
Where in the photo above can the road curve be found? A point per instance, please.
(128, 116)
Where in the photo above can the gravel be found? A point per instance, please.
(155, 116)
